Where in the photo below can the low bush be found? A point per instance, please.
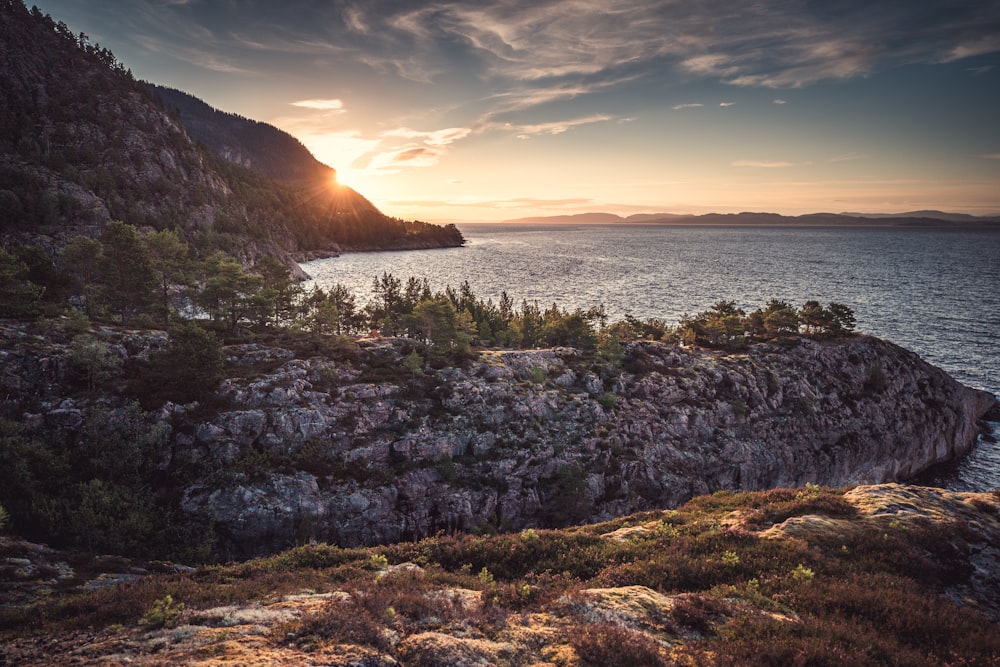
(613, 645)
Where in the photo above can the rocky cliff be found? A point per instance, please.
(353, 448)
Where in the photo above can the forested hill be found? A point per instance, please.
(259, 146)
(82, 142)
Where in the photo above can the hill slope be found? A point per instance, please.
(252, 144)
(82, 142)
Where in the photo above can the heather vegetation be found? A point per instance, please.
(707, 584)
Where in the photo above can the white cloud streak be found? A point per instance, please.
(322, 105)
(690, 105)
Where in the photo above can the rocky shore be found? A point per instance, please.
(360, 450)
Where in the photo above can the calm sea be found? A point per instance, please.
(936, 292)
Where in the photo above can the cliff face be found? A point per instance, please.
(312, 447)
(488, 446)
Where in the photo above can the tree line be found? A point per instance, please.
(154, 279)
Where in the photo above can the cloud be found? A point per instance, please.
(726, 104)
(432, 138)
(526, 131)
(976, 46)
(695, 105)
(779, 102)
(200, 57)
(411, 156)
(324, 105)
(768, 43)
(762, 164)
(991, 156)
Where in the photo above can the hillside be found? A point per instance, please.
(252, 144)
(875, 575)
(82, 142)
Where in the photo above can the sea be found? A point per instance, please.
(934, 291)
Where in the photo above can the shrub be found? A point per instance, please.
(536, 375)
(344, 622)
(695, 611)
(876, 381)
(4, 518)
(91, 361)
(163, 614)
(191, 366)
(607, 400)
(612, 645)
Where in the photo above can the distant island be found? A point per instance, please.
(753, 219)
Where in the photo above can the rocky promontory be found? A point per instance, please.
(356, 447)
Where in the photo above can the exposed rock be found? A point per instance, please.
(489, 445)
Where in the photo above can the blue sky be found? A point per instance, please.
(468, 111)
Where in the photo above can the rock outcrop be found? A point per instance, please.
(363, 451)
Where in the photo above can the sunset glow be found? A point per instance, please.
(458, 111)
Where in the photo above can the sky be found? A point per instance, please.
(463, 110)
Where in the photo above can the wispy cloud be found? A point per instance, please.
(323, 105)
(195, 55)
(768, 43)
(409, 157)
(991, 156)
(523, 54)
(726, 104)
(779, 102)
(433, 137)
(692, 105)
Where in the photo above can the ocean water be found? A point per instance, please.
(936, 292)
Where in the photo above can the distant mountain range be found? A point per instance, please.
(82, 142)
(911, 219)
